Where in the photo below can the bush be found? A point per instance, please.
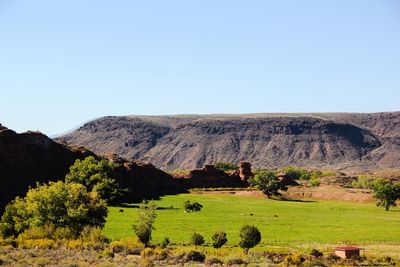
(315, 182)
(165, 242)
(226, 166)
(57, 204)
(297, 173)
(128, 245)
(364, 182)
(36, 243)
(146, 253)
(295, 259)
(195, 256)
(235, 262)
(214, 261)
(250, 236)
(192, 207)
(316, 253)
(94, 236)
(197, 239)
(219, 239)
(146, 263)
(145, 223)
(107, 253)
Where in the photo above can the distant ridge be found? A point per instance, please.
(363, 141)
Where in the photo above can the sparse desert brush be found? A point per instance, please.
(160, 253)
(196, 256)
(73, 244)
(212, 261)
(233, 261)
(146, 253)
(179, 173)
(94, 235)
(146, 263)
(37, 243)
(129, 245)
(38, 233)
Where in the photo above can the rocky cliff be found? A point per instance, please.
(324, 140)
(31, 157)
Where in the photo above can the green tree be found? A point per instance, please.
(219, 239)
(56, 204)
(268, 183)
(196, 239)
(95, 175)
(192, 207)
(250, 236)
(297, 173)
(226, 166)
(145, 223)
(387, 193)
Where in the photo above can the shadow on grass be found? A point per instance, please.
(136, 206)
(296, 200)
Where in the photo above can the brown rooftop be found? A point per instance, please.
(347, 248)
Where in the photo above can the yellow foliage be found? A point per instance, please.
(44, 243)
(130, 245)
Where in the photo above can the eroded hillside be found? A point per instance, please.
(331, 140)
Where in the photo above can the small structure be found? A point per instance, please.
(347, 252)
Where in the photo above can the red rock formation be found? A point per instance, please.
(209, 176)
(245, 170)
(31, 157)
(143, 180)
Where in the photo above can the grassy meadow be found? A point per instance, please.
(280, 222)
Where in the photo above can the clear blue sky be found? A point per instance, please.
(66, 62)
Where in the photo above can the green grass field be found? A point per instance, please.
(280, 222)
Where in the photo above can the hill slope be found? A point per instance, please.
(331, 140)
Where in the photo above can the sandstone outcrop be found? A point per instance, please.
(32, 157)
(209, 176)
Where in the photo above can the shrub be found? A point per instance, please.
(147, 252)
(197, 239)
(161, 253)
(315, 182)
(35, 232)
(250, 236)
(365, 182)
(296, 173)
(146, 263)
(192, 207)
(195, 256)
(107, 253)
(165, 242)
(226, 166)
(93, 236)
(316, 253)
(214, 261)
(36, 243)
(219, 239)
(235, 261)
(145, 223)
(295, 259)
(56, 204)
(128, 245)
